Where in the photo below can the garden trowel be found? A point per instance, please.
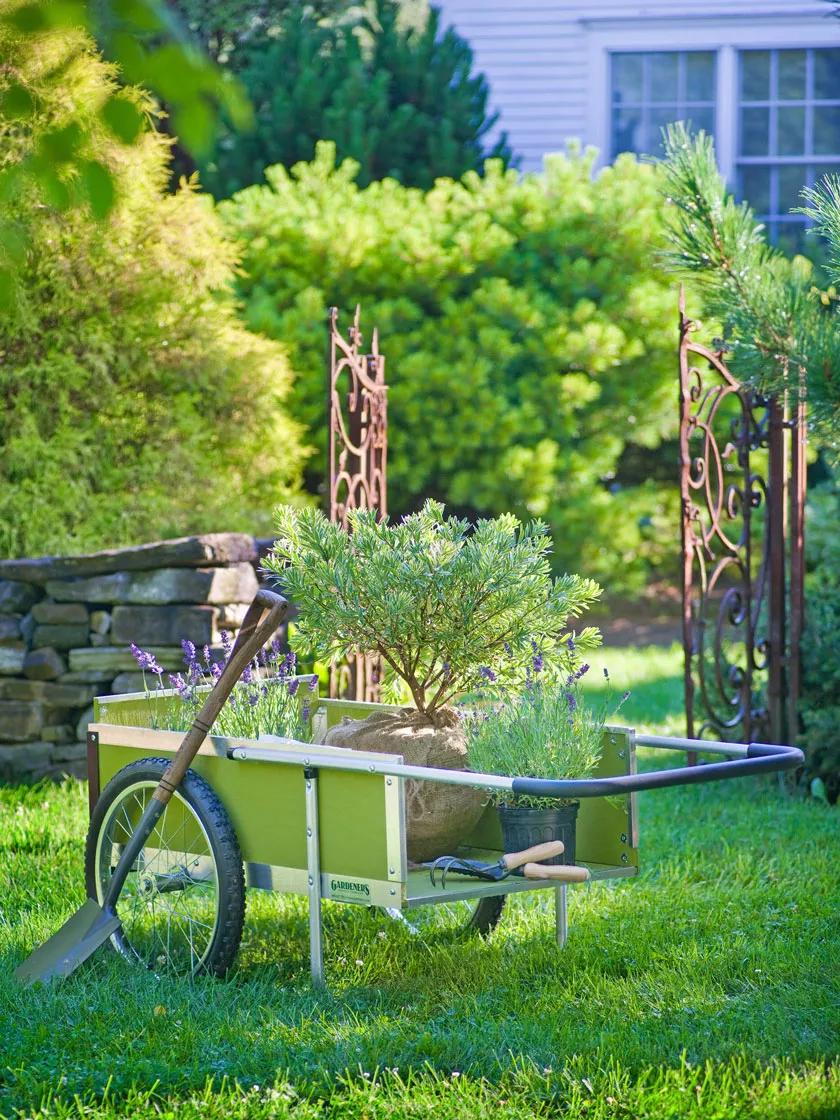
(526, 863)
(92, 925)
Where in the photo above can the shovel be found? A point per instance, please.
(92, 925)
(524, 863)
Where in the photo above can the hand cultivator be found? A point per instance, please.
(525, 864)
(184, 823)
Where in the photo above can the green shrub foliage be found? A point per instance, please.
(396, 93)
(135, 404)
(821, 644)
(447, 609)
(528, 334)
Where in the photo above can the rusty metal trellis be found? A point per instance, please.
(358, 452)
(742, 484)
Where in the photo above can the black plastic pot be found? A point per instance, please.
(524, 827)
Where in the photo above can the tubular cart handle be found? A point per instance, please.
(761, 758)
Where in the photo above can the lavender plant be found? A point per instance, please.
(548, 731)
(267, 700)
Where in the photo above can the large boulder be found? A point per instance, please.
(438, 817)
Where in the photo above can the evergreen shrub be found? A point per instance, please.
(134, 402)
(528, 332)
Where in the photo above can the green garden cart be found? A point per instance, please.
(314, 820)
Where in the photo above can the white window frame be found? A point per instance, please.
(809, 26)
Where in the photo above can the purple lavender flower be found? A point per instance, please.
(571, 700)
(180, 685)
(582, 671)
(227, 644)
(304, 712)
(606, 673)
(146, 661)
(253, 699)
(215, 670)
(538, 663)
(487, 673)
(447, 670)
(247, 673)
(508, 650)
(206, 652)
(275, 647)
(293, 686)
(570, 644)
(190, 655)
(626, 696)
(313, 684)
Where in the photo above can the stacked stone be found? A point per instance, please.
(66, 624)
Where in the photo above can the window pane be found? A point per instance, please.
(790, 237)
(827, 74)
(700, 76)
(755, 132)
(663, 76)
(790, 130)
(819, 171)
(791, 182)
(755, 75)
(827, 130)
(627, 131)
(697, 117)
(627, 77)
(658, 118)
(755, 188)
(791, 75)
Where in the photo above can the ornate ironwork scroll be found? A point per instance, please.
(358, 453)
(742, 484)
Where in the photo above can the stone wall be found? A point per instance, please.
(66, 624)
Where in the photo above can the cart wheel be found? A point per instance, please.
(183, 903)
(454, 919)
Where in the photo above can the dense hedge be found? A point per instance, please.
(821, 643)
(134, 402)
(528, 330)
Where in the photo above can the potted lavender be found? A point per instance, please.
(548, 730)
(269, 699)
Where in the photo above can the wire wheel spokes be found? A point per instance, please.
(169, 907)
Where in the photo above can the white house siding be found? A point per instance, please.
(546, 59)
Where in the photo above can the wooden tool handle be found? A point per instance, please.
(261, 620)
(559, 872)
(533, 855)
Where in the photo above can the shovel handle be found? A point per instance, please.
(261, 620)
(513, 860)
(559, 872)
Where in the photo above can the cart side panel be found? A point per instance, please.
(606, 831)
(266, 806)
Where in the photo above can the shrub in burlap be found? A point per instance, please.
(438, 817)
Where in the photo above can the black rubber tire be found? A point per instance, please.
(487, 915)
(200, 796)
(481, 920)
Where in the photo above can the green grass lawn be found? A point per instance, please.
(709, 987)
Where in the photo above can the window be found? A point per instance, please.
(651, 89)
(788, 132)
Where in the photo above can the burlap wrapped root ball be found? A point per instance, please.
(438, 817)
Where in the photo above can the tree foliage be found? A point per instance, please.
(447, 609)
(528, 334)
(776, 322)
(134, 403)
(399, 97)
(57, 161)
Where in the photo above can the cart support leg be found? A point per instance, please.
(561, 920)
(313, 870)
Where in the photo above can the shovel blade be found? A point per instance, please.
(79, 937)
